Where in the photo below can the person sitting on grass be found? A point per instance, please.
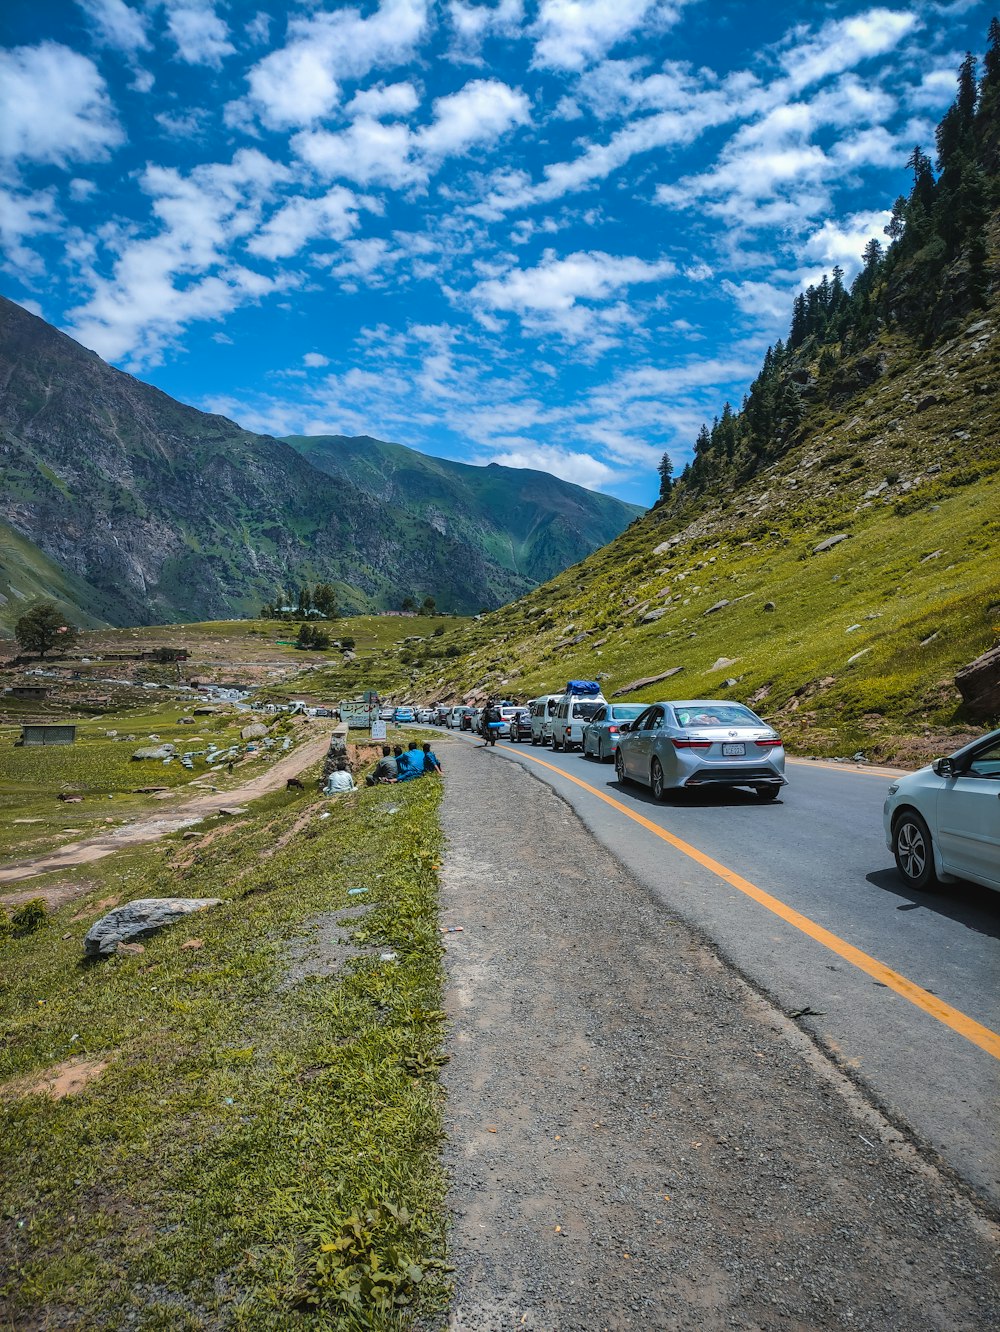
(340, 779)
(385, 769)
(415, 766)
(431, 761)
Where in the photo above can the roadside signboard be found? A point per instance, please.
(378, 730)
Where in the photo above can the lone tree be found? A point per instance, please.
(666, 471)
(44, 627)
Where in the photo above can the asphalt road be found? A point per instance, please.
(819, 851)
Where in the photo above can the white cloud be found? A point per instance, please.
(372, 152)
(382, 103)
(367, 152)
(80, 189)
(583, 469)
(332, 216)
(472, 24)
(572, 33)
(314, 360)
(300, 83)
(185, 271)
(22, 216)
(202, 38)
(842, 242)
(258, 30)
(843, 43)
(480, 112)
(117, 24)
(54, 107)
(765, 301)
(555, 286)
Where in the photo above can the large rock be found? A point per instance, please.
(647, 680)
(255, 731)
(979, 685)
(155, 752)
(138, 919)
(830, 542)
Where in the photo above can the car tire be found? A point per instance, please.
(555, 747)
(620, 767)
(534, 740)
(769, 792)
(656, 779)
(912, 847)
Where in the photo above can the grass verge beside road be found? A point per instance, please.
(261, 1149)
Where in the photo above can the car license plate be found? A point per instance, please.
(734, 751)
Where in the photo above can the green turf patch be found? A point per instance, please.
(261, 1150)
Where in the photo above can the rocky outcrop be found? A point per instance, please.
(979, 685)
(646, 680)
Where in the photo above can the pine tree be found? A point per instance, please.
(666, 471)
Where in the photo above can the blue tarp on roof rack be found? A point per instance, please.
(582, 687)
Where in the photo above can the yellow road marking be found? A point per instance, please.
(951, 1017)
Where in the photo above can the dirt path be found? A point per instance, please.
(636, 1138)
(148, 829)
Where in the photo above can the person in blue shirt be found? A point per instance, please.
(431, 761)
(414, 766)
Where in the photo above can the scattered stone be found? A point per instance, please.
(647, 680)
(136, 920)
(728, 683)
(69, 799)
(722, 663)
(652, 615)
(979, 685)
(930, 400)
(193, 943)
(719, 605)
(130, 948)
(858, 655)
(770, 606)
(852, 628)
(934, 555)
(232, 811)
(924, 642)
(185, 721)
(829, 542)
(877, 490)
(149, 790)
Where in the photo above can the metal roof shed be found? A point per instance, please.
(48, 735)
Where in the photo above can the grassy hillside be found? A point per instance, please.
(850, 648)
(526, 521)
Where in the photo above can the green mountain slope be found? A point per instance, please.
(831, 554)
(130, 507)
(528, 522)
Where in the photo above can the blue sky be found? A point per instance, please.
(548, 233)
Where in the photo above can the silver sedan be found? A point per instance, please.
(700, 742)
(601, 732)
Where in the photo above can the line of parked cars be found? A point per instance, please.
(941, 823)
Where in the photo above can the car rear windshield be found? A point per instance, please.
(716, 714)
(584, 711)
(626, 711)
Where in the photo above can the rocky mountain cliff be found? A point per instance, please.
(129, 507)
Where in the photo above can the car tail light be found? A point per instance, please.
(691, 744)
(768, 744)
(612, 730)
(569, 730)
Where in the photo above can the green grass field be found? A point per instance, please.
(261, 1151)
(100, 768)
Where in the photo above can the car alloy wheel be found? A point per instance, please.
(911, 845)
(620, 767)
(656, 779)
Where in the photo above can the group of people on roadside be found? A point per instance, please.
(403, 765)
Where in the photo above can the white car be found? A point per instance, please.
(942, 823)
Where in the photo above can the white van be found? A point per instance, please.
(454, 722)
(543, 709)
(572, 713)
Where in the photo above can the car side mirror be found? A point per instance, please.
(943, 767)
(624, 726)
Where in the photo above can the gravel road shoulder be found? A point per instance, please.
(636, 1139)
